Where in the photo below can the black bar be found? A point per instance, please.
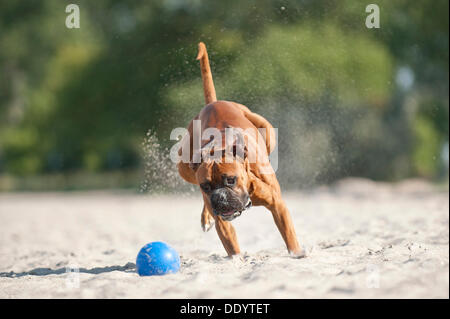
(228, 308)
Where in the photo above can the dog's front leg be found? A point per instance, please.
(267, 193)
(224, 229)
(207, 219)
(227, 236)
(284, 224)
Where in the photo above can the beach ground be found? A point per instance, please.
(364, 240)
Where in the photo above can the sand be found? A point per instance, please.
(364, 240)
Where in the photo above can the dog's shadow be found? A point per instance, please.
(129, 267)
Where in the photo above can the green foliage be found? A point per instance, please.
(306, 63)
(83, 99)
(427, 148)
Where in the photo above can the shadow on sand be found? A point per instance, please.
(129, 267)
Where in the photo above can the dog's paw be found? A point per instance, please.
(301, 253)
(208, 224)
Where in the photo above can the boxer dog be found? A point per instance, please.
(233, 180)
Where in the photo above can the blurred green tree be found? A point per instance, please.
(358, 101)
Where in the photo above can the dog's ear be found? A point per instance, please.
(239, 147)
(235, 151)
(247, 166)
(196, 160)
(235, 146)
(194, 166)
(240, 150)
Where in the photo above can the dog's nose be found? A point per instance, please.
(217, 197)
(219, 200)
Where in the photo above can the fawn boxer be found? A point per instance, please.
(239, 175)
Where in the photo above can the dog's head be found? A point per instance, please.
(224, 182)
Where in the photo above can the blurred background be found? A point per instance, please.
(92, 108)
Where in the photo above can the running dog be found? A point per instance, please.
(240, 176)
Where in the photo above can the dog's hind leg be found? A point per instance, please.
(260, 122)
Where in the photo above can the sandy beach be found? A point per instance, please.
(364, 240)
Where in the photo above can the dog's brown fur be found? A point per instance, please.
(263, 189)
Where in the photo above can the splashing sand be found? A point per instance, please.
(160, 173)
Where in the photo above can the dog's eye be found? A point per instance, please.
(206, 187)
(230, 181)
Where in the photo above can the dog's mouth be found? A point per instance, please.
(232, 214)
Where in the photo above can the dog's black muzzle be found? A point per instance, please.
(228, 204)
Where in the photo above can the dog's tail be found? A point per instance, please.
(208, 84)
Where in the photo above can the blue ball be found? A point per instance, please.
(157, 259)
